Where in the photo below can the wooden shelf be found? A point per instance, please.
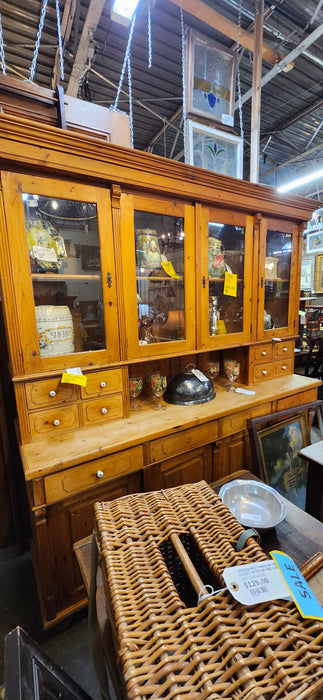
(159, 279)
(39, 277)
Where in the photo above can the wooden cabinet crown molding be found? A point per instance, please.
(54, 151)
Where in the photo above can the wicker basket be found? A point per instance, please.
(156, 550)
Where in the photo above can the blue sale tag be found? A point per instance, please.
(302, 594)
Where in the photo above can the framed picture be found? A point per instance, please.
(318, 279)
(214, 149)
(90, 258)
(89, 310)
(210, 78)
(314, 242)
(307, 272)
(282, 468)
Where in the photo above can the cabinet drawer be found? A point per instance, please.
(284, 366)
(49, 392)
(53, 420)
(174, 444)
(237, 422)
(283, 349)
(261, 353)
(107, 382)
(261, 372)
(71, 481)
(104, 409)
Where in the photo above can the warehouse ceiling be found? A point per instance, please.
(291, 119)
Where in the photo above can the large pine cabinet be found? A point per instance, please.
(129, 253)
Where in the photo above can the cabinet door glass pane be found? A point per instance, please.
(159, 242)
(64, 253)
(277, 279)
(226, 250)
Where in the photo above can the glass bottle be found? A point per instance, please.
(213, 316)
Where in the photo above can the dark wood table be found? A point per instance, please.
(299, 535)
(314, 496)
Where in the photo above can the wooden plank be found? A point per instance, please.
(256, 93)
(91, 22)
(225, 26)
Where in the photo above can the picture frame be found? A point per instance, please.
(214, 149)
(210, 69)
(280, 464)
(318, 278)
(90, 258)
(314, 242)
(307, 272)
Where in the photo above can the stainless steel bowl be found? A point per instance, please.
(187, 389)
(253, 503)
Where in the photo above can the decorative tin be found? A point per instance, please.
(147, 248)
(55, 330)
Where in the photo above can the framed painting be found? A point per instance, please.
(210, 78)
(318, 279)
(282, 468)
(314, 242)
(307, 272)
(214, 150)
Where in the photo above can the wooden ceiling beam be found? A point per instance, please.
(91, 22)
(225, 26)
(67, 23)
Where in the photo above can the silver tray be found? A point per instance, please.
(253, 503)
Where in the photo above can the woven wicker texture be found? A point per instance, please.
(168, 644)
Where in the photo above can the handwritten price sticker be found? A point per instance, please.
(302, 594)
(230, 284)
(74, 376)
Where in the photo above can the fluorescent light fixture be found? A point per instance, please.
(300, 181)
(123, 10)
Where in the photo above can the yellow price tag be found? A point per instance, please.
(168, 268)
(78, 379)
(230, 284)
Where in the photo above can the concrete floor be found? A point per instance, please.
(67, 644)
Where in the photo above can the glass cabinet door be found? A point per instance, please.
(278, 257)
(226, 255)
(66, 268)
(159, 275)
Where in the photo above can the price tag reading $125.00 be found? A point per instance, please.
(255, 583)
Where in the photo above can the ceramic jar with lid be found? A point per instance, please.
(55, 330)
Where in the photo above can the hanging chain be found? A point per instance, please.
(130, 99)
(115, 105)
(2, 55)
(238, 72)
(39, 33)
(149, 35)
(184, 85)
(60, 44)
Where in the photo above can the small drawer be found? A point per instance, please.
(283, 349)
(103, 409)
(107, 382)
(262, 372)
(53, 420)
(82, 477)
(175, 444)
(284, 366)
(49, 392)
(261, 353)
(237, 422)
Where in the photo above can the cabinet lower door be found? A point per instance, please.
(55, 531)
(231, 454)
(185, 469)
